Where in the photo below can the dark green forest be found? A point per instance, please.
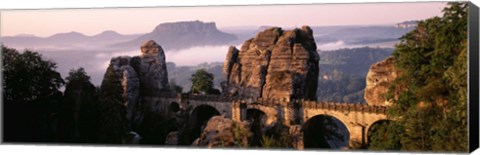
(430, 95)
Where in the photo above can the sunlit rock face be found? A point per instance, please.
(223, 132)
(379, 78)
(274, 64)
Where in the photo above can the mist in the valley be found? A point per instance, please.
(96, 62)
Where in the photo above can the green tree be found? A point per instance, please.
(112, 121)
(430, 93)
(78, 112)
(77, 75)
(30, 95)
(202, 82)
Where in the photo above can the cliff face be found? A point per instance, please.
(379, 78)
(274, 64)
(141, 75)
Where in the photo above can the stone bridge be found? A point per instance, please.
(296, 114)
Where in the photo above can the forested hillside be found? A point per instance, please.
(430, 95)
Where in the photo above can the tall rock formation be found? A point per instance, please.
(274, 64)
(379, 79)
(141, 75)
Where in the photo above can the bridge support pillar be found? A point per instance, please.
(236, 111)
(243, 111)
(297, 136)
(357, 137)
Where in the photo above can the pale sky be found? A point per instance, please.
(143, 20)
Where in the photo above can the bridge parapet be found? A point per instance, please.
(345, 107)
(213, 98)
(311, 104)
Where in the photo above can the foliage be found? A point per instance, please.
(182, 74)
(284, 140)
(240, 135)
(387, 136)
(77, 75)
(430, 93)
(112, 120)
(30, 96)
(27, 77)
(354, 61)
(343, 71)
(202, 82)
(347, 89)
(77, 115)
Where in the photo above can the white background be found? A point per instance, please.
(88, 150)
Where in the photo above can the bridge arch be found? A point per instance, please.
(198, 119)
(325, 131)
(257, 119)
(271, 113)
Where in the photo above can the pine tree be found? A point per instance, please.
(112, 118)
(77, 112)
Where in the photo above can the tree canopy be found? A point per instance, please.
(28, 77)
(202, 82)
(31, 94)
(430, 94)
(112, 119)
(77, 75)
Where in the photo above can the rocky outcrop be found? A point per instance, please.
(141, 75)
(172, 138)
(273, 64)
(180, 35)
(379, 78)
(223, 132)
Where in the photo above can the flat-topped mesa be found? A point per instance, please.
(274, 64)
(187, 26)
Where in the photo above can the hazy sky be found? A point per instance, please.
(142, 20)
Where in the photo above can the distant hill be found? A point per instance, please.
(354, 35)
(342, 73)
(181, 35)
(182, 74)
(68, 40)
(354, 61)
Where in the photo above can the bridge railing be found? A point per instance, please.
(310, 104)
(295, 103)
(212, 98)
(345, 107)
